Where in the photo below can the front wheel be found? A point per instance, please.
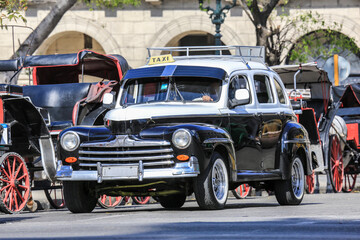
(211, 187)
(78, 197)
(291, 191)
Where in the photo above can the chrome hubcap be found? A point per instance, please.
(219, 180)
(297, 178)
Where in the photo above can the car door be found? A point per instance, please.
(244, 126)
(271, 125)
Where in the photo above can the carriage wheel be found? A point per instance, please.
(241, 191)
(55, 195)
(310, 183)
(336, 165)
(105, 201)
(14, 183)
(141, 200)
(349, 181)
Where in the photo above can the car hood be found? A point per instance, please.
(153, 111)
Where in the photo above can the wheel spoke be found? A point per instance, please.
(24, 187)
(11, 199)
(20, 195)
(4, 180)
(13, 169)
(23, 176)
(7, 195)
(16, 202)
(4, 171)
(9, 168)
(2, 189)
(18, 170)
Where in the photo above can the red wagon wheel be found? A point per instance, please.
(336, 165)
(349, 180)
(105, 201)
(14, 183)
(55, 195)
(241, 191)
(310, 183)
(141, 200)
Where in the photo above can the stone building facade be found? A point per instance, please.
(156, 23)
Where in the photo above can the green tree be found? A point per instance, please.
(277, 32)
(11, 10)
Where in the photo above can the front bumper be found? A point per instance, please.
(109, 172)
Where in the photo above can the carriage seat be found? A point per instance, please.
(58, 100)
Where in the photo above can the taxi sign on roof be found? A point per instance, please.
(161, 59)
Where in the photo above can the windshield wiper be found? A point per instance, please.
(178, 92)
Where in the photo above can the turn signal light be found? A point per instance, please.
(182, 157)
(71, 159)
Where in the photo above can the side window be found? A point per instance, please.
(237, 82)
(263, 89)
(280, 92)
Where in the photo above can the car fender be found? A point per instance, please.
(294, 141)
(208, 138)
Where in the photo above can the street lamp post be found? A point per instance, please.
(217, 16)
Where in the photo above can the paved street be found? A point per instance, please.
(321, 216)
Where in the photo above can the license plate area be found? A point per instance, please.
(120, 171)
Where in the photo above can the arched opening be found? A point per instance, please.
(194, 38)
(318, 46)
(72, 42)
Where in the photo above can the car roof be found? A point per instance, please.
(242, 58)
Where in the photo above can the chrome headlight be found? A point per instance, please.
(70, 141)
(181, 138)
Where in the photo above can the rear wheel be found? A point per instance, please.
(241, 191)
(14, 183)
(336, 165)
(106, 201)
(175, 201)
(141, 200)
(291, 191)
(55, 195)
(350, 177)
(310, 183)
(78, 197)
(211, 187)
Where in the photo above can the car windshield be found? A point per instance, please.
(185, 89)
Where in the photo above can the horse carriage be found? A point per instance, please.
(31, 118)
(312, 97)
(350, 111)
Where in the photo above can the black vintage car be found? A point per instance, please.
(196, 124)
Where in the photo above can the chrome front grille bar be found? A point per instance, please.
(144, 158)
(145, 164)
(131, 152)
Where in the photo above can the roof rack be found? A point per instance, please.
(244, 53)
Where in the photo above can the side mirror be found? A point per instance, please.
(242, 96)
(109, 100)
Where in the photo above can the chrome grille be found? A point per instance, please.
(126, 150)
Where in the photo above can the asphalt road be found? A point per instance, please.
(320, 216)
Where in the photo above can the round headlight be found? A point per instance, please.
(70, 141)
(181, 138)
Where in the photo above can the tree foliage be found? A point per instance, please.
(110, 3)
(11, 10)
(279, 32)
